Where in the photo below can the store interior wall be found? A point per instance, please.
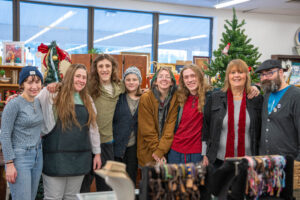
(272, 34)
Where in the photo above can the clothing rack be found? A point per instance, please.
(172, 181)
(229, 182)
(247, 178)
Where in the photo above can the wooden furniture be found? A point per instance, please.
(292, 58)
(11, 72)
(124, 61)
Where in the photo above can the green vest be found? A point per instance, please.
(68, 152)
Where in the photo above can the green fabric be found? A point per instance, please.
(77, 99)
(68, 152)
(105, 105)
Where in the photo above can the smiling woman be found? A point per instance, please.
(21, 126)
(80, 79)
(156, 118)
(70, 135)
(238, 131)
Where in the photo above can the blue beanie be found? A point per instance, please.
(29, 71)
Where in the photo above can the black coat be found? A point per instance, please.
(214, 113)
(123, 124)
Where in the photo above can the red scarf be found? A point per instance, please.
(241, 127)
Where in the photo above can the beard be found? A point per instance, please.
(271, 85)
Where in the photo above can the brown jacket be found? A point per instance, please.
(148, 128)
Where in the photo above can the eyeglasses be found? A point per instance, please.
(267, 74)
(164, 77)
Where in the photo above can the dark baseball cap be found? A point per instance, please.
(269, 64)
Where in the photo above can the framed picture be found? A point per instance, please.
(200, 61)
(13, 53)
(295, 74)
(141, 54)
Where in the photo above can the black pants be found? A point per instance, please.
(107, 153)
(130, 159)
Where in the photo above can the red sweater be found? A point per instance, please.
(187, 138)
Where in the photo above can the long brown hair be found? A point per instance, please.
(203, 87)
(64, 101)
(241, 66)
(94, 82)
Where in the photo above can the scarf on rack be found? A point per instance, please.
(241, 126)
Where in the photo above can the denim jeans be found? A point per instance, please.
(29, 164)
(177, 158)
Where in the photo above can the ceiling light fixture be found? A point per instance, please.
(229, 3)
(161, 43)
(119, 34)
(58, 21)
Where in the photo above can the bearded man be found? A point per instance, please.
(280, 132)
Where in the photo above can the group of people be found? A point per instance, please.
(66, 130)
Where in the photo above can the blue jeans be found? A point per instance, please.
(177, 158)
(29, 164)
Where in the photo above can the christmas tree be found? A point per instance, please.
(234, 44)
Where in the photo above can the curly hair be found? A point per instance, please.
(94, 82)
(241, 66)
(64, 100)
(203, 87)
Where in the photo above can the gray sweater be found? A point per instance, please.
(280, 131)
(21, 126)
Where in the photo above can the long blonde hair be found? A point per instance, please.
(64, 101)
(94, 82)
(203, 87)
(241, 66)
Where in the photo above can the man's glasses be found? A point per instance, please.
(267, 74)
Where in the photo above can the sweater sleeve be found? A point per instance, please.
(9, 116)
(206, 118)
(296, 118)
(46, 101)
(166, 140)
(94, 134)
(206, 125)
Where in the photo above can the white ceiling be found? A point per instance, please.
(282, 7)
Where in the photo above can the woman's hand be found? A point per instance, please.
(97, 162)
(254, 92)
(205, 161)
(52, 87)
(11, 97)
(11, 173)
(158, 160)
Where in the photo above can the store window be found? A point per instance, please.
(122, 31)
(182, 38)
(6, 27)
(42, 23)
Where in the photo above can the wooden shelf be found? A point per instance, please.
(2, 101)
(286, 57)
(8, 85)
(11, 66)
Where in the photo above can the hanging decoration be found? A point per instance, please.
(54, 55)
